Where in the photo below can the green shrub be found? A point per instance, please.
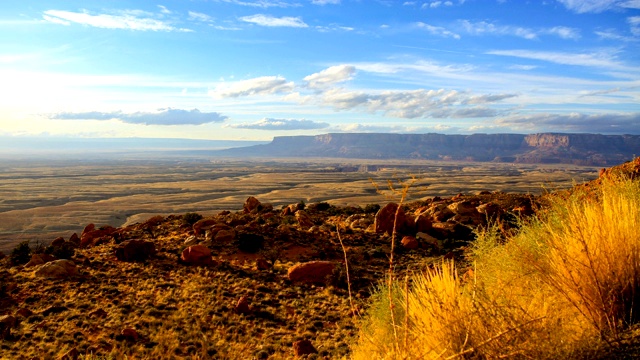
(191, 218)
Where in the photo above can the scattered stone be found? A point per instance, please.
(303, 347)
(24, 312)
(439, 212)
(250, 243)
(201, 226)
(242, 306)
(95, 237)
(463, 208)
(488, 209)
(74, 239)
(410, 243)
(87, 229)
(57, 241)
(197, 255)
(430, 240)
(312, 272)
(39, 259)
(99, 313)
(7, 322)
(386, 217)
(72, 354)
(451, 230)
(303, 219)
(57, 269)
(135, 250)
(225, 236)
(251, 204)
(54, 309)
(423, 223)
(262, 264)
(130, 334)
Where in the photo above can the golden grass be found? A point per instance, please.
(566, 285)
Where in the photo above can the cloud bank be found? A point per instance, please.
(166, 116)
(282, 124)
(127, 20)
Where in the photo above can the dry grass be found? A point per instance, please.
(566, 285)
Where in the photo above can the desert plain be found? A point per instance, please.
(41, 199)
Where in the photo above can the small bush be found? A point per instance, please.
(371, 208)
(21, 254)
(191, 218)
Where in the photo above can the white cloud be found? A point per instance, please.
(197, 16)
(634, 23)
(166, 116)
(281, 124)
(330, 76)
(485, 28)
(522, 67)
(597, 6)
(436, 30)
(576, 122)
(596, 59)
(611, 34)
(266, 85)
(265, 4)
(563, 32)
(130, 20)
(271, 21)
(333, 27)
(164, 10)
(325, 2)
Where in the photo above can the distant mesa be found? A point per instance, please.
(544, 148)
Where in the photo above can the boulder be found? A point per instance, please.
(451, 230)
(225, 236)
(74, 239)
(93, 237)
(423, 223)
(39, 259)
(57, 241)
(429, 240)
(410, 243)
(465, 208)
(489, 209)
(312, 272)
(439, 212)
(386, 217)
(57, 269)
(242, 306)
(197, 255)
(302, 348)
(135, 250)
(7, 322)
(201, 226)
(304, 220)
(251, 204)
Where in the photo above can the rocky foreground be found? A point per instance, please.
(257, 283)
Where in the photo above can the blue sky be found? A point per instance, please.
(254, 69)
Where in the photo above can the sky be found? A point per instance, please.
(255, 69)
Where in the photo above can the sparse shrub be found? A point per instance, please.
(191, 218)
(64, 251)
(321, 206)
(21, 254)
(371, 208)
(567, 283)
(302, 205)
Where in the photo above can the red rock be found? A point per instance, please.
(7, 322)
(135, 250)
(130, 334)
(311, 272)
(303, 219)
(90, 238)
(385, 218)
(87, 229)
(200, 226)
(262, 264)
(225, 236)
(423, 223)
(303, 347)
(58, 241)
(24, 312)
(409, 242)
(242, 307)
(99, 313)
(198, 255)
(74, 239)
(251, 204)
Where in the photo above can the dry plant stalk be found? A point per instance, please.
(354, 311)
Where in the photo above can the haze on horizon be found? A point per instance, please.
(255, 69)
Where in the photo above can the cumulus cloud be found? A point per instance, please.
(129, 20)
(436, 30)
(271, 21)
(576, 122)
(265, 85)
(414, 103)
(166, 116)
(330, 76)
(282, 124)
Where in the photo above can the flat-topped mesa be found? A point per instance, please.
(583, 149)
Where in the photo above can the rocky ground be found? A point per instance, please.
(258, 283)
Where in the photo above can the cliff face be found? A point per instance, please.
(585, 149)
